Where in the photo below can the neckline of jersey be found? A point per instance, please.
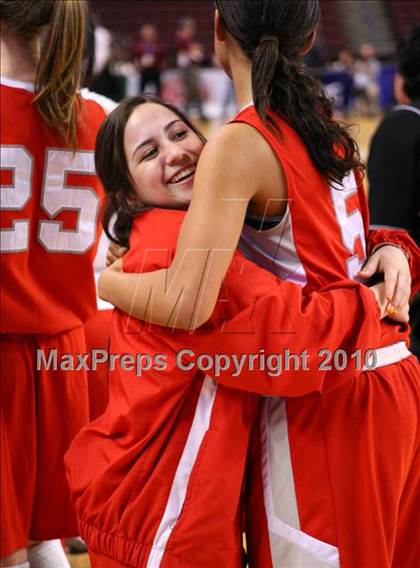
(411, 108)
(246, 106)
(26, 85)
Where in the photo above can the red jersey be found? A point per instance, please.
(160, 465)
(320, 244)
(323, 236)
(49, 217)
(156, 480)
(317, 461)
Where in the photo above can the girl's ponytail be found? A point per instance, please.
(300, 98)
(273, 34)
(264, 61)
(58, 74)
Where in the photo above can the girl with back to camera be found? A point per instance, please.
(149, 476)
(49, 204)
(359, 440)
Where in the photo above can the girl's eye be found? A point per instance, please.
(180, 134)
(150, 153)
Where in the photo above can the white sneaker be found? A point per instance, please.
(48, 554)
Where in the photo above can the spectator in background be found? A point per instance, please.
(344, 66)
(189, 57)
(345, 62)
(394, 160)
(103, 43)
(149, 55)
(106, 80)
(366, 80)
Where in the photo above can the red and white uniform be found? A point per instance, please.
(49, 211)
(334, 473)
(157, 479)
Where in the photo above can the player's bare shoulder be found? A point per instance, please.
(235, 158)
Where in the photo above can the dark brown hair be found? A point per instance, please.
(409, 63)
(59, 68)
(273, 34)
(119, 208)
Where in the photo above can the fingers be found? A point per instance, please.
(370, 267)
(390, 281)
(401, 315)
(398, 313)
(116, 266)
(402, 290)
(378, 292)
(110, 258)
(397, 278)
(114, 252)
(387, 308)
(392, 262)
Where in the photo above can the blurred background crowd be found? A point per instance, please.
(166, 47)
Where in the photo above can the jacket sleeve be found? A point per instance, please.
(315, 342)
(271, 337)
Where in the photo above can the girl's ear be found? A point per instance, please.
(309, 44)
(133, 200)
(218, 27)
(129, 198)
(399, 92)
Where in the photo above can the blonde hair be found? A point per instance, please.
(60, 64)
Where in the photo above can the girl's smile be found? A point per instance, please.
(162, 153)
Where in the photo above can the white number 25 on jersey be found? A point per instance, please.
(56, 196)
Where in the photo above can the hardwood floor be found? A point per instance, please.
(79, 561)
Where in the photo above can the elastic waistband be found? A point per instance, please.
(388, 355)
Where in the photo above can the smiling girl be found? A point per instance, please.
(285, 158)
(171, 187)
(157, 479)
